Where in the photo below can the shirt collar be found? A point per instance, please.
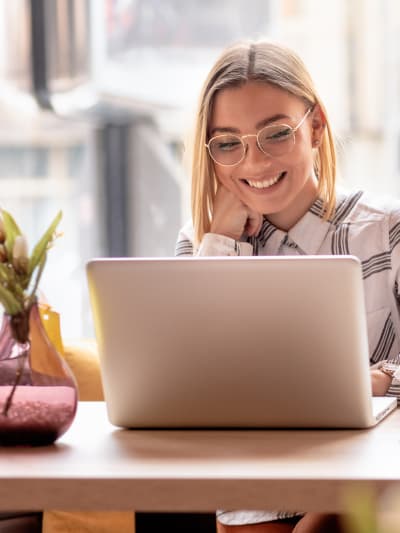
(308, 234)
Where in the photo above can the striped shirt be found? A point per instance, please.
(367, 228)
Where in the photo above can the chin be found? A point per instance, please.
(265, 209)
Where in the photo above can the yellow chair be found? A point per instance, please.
(83, 361)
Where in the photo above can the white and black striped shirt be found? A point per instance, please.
(364, 227)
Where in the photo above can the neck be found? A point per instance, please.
(290, 215)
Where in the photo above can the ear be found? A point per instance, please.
(318, 123)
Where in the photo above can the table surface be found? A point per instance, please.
(96, 466)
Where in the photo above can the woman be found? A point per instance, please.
(264, 183)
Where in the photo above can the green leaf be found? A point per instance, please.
(4, 272)
(11, 229)
(19, 290)
(15, 283)
(11, 305)
(32, 296)
(39, 252)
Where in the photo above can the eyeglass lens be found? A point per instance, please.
(229, 149)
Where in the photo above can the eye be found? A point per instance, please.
(276, 134)
(225, 144)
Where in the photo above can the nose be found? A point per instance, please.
(253, 153)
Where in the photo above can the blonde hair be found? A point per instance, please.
(267, 63)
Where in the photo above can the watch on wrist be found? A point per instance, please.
(390, 367)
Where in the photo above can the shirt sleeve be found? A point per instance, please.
(184, 243)
(394, 245)
(212, 244)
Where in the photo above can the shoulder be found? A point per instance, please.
(363, 207)
(369, 223)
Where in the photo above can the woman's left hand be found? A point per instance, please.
(380, 382)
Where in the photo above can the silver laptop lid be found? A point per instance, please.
(232, 342)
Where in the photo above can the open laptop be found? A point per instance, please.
(244, 342)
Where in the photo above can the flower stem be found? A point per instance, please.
(20, 326)
(18, 375)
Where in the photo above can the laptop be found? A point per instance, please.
(244, 342)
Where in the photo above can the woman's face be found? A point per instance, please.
(281, 187)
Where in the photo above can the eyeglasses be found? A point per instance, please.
(275, 140)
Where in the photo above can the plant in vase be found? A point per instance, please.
(38, 393)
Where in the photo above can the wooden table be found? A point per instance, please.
(96, 466)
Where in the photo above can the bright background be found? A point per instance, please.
(97, 96)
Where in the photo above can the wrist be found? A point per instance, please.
(225, 233)
(385, 377)
(380, 382)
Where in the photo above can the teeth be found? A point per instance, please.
(264, 184)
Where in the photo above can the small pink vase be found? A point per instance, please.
(38, 392)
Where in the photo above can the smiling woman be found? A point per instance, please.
(264, 183)
(277, 152)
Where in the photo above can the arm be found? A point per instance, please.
(393, 243)
(211, 245)
(231, 220)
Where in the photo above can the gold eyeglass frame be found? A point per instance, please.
(245, 146)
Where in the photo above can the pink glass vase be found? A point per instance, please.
(38, 392)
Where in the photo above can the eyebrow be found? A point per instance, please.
(261, 124)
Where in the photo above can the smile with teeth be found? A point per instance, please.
(265, 183)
